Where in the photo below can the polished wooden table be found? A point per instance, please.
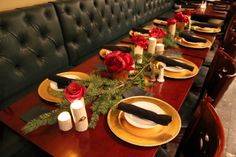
(93, 142)
(209, 12)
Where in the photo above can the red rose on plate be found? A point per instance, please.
(117, 61)
(157, 32)
(140, 41)
(74, 91)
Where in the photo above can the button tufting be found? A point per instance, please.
(3, 25)
(23, 39)
(48, 14)
(82, 8)
(43, 31)
(67, 10)
(78, 21)
(28, 18)
(95, 3)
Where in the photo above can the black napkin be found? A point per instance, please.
(172, 62)
(146, 114)
(120, 48)
(140, 30)
(34, 112)
(62, 82)
(188, 37)
(205, 24)
(135, 91)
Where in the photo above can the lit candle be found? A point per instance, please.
(152, 45)
(138, 51)
(160, 48)
(79, 115)
(64, 121)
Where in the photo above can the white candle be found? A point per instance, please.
(64, 121)
(160, 48)
(132, 71)
(138, 51)
(79, 115)
(172, 29)
(152, 45)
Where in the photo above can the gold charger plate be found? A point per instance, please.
(205, 29)
(144, 137)
(43, 89)
(183, 74)
(198, 45)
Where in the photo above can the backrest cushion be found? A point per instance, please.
(147, 10)
(31, 47)
(89, 24)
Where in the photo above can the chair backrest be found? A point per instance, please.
(220, 75)
(204, 136)
(230, 33)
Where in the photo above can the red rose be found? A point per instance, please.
(171, 21)
(189, 12)
(140, 40)
(180, 17)
(74, 91)
(116, 61)
(157, 32)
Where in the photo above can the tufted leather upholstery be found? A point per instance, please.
(147, 10)
(31, 47)
(89, 24)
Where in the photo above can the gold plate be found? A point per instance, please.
(144, 137)
(205, 29)
(198, 45)
(133, 33)
(103, 52)
(43, 89)
(183, 74)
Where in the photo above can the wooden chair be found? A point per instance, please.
(220, 75)
(204, 136)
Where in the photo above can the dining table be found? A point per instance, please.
(98, 141)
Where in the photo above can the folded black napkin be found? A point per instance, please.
(172, 62)
(34, 112)
(189, 37)
(141, 30)
(146, 114)
(205, 24)
(135, 91)
(120, 48)
(62, 82)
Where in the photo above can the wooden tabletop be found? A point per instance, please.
(209, 12)
(93, 142)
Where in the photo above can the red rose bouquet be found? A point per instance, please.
(180, 17)
(117, 61)
(171, 21)
(140, 41)
(74, 91)
(188, 12)
(157, 32)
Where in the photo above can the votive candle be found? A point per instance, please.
(64, 121)
(152, 45)
(160, 48)
(79, 115)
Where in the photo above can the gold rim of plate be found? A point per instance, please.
(144, 137)
(205, 29)
(198, 45)
(132, 33)
(44, 87)
(183, 74)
